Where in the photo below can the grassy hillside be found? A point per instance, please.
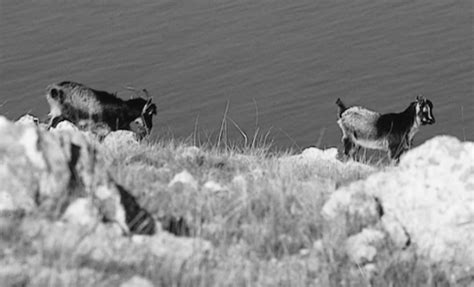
(259, 209)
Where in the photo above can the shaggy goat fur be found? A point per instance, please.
(392, 132)
(78, 103)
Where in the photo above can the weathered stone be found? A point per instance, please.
(102, 246)
(27, 119)
(52, 169)
(64, 277)
(325, 164)
(137, 281)
(213, 186)
(64, 126)
(13, 275)
(82, 211)
(428, 200)
(120, 138)
(184, 178)
(362, 247)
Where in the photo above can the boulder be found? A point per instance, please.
(27, 119)
(82, 211)
(213, 186)
(120, 138)
(362, 247)
(137, 281)
(49, 170)
(428, 200)
(324, 163)
(184, 178)
(65, 126)
(102, 246)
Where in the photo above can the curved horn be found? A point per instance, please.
(133, 89)
(147, 95)
(146, 106)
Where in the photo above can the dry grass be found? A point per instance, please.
(264, 223)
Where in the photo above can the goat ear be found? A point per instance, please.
(147, 95)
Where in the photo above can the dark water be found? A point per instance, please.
(279, 64)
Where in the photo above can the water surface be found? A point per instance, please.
(279, 65)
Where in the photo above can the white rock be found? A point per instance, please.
(313, 153)
(29, 140)
(184, 178)
(38, 167)
(120, 138)
(431, 195)
(28, 119)
(362, 247)
(137, 281)
(64, 126)
(240, 183)
(82, 211)
(165, 244)
(6, 201)
(191, 152)
(213, 186)
(396, 231)
(352, 204)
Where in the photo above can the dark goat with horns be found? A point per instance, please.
(78, 103)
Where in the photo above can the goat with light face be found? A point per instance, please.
(78, 103)
(392, 132)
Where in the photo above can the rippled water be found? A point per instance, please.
(279, 64)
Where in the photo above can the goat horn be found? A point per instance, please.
(147, 95)
(130, 88)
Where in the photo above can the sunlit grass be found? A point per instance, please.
(264, 223)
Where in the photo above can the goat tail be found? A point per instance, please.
(342, 107)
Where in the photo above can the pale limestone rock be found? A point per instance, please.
(64, 126)
(6, 202)
(120, 138)
(191, 152)
(362, 247)
(108, 201)
(313, 153)
(82, 211)
(396, 231)
(106, 247)
(324, 163)
(13, 275)
(27, 119)
(428, 199)
(213, 186)
(137, 281)
(50, 169)
(346, 204)
(240, 183)
(52, 277)
(184, 178)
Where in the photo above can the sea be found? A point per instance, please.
(246, 71)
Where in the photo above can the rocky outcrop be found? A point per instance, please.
(27, 119)
(103, 248)
(427, 201)
(325, 164)
(49, 170)
(120, 138)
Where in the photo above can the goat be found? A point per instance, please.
(392, 132)
(78, 103)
